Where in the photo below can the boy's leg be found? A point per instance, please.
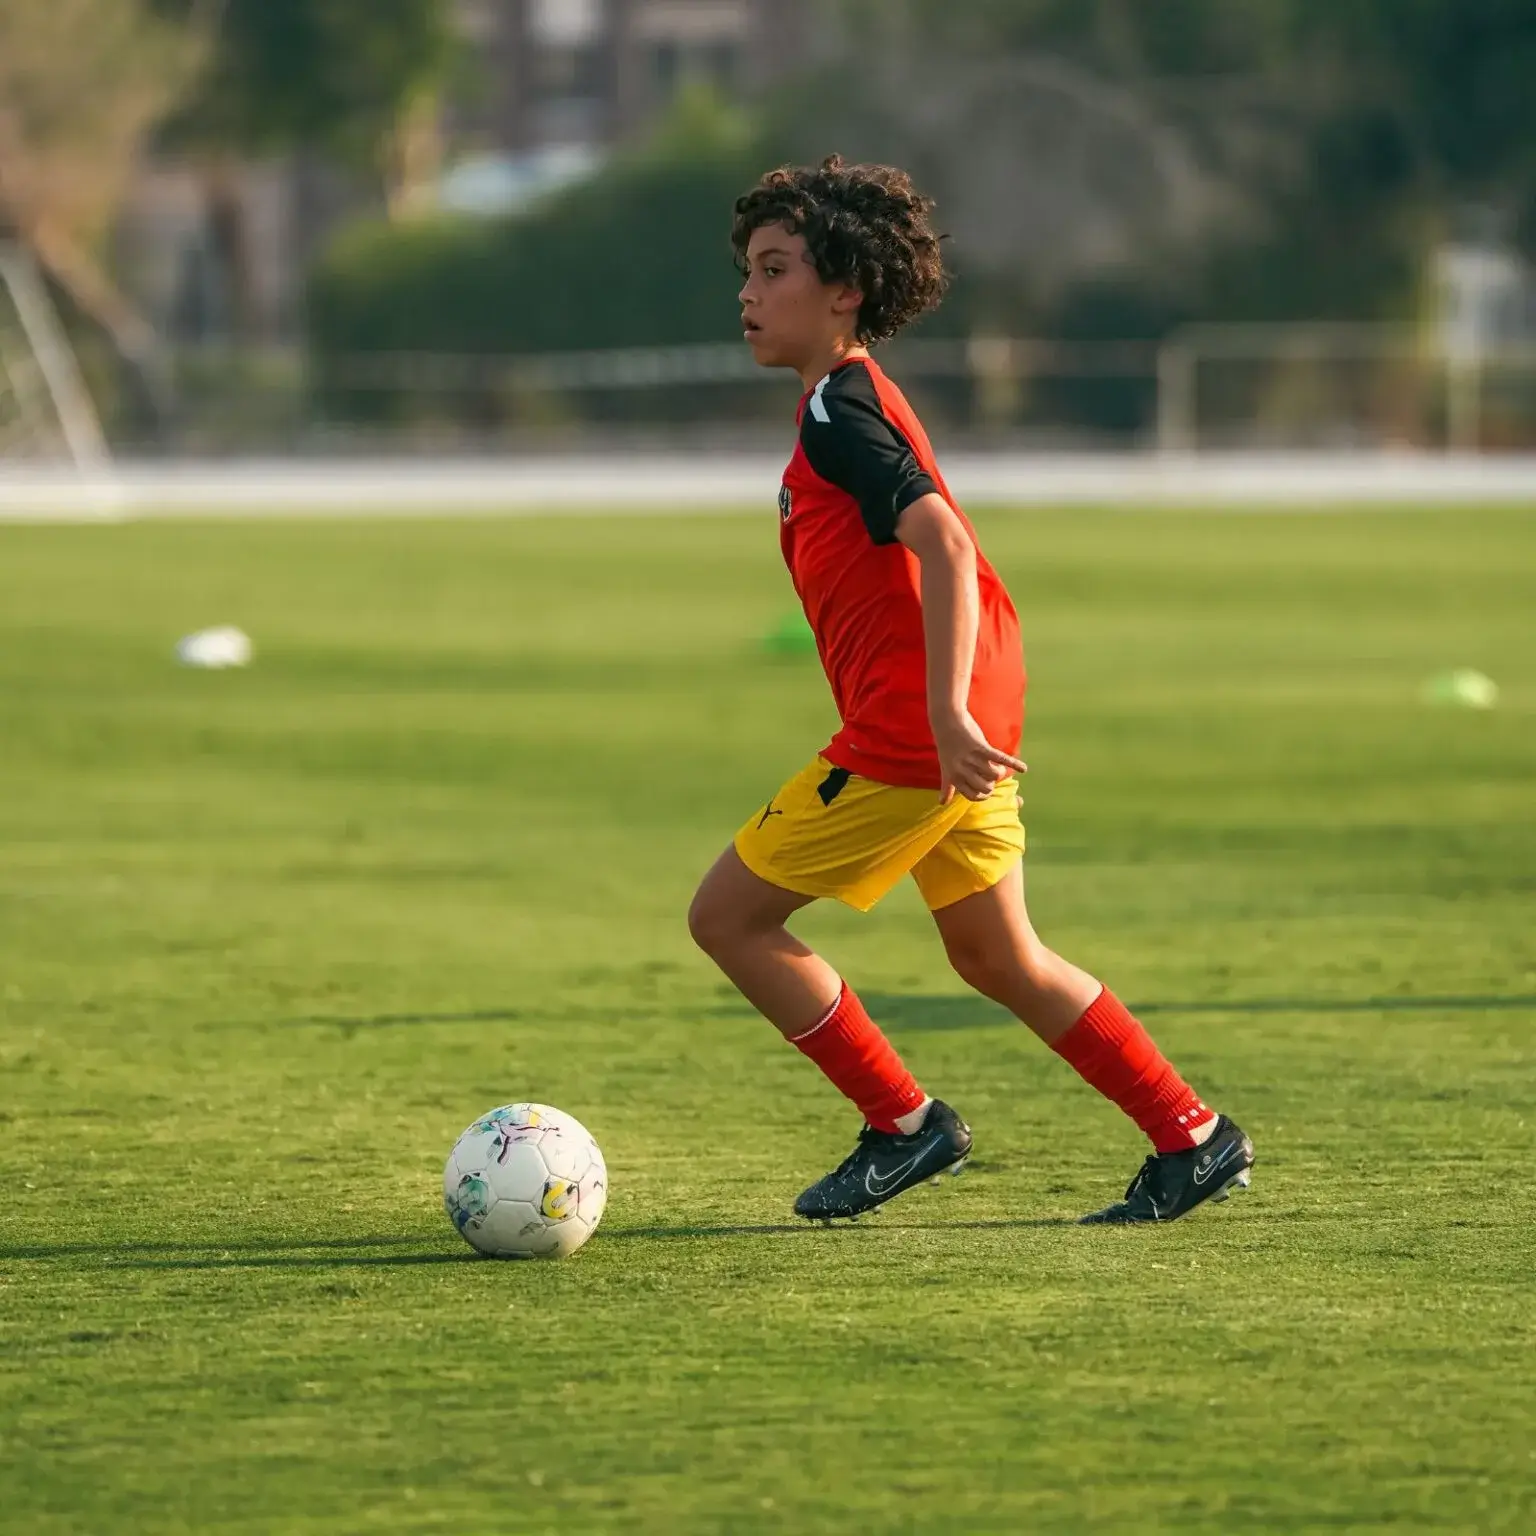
(738, 919)
(994, 948)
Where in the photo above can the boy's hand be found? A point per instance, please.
(968, 762)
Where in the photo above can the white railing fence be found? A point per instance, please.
(1340, 387)
(1311, 388)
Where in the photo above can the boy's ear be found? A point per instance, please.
(847, 300)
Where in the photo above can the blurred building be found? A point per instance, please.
(213, 254)
(597, 72)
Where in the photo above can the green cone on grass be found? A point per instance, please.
(1464, 687)
(790, 636)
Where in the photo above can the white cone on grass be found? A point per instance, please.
(222, 646)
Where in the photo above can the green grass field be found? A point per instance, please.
(269, 940)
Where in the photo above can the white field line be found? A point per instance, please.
(737, 482)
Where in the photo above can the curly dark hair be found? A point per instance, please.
(864, 225)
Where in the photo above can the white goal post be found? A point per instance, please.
(46, 412)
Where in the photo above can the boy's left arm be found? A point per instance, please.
(946, 553)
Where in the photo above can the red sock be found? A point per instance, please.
(860, 1062)
(1116, 1055)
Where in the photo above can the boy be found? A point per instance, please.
(920, 644)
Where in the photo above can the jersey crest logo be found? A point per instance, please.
(786, 503)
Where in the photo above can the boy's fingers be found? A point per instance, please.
(979, 774)
(995, 766)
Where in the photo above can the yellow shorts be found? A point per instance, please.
(832, 833)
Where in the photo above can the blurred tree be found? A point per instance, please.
(345, 76)
(356, 80)
(1404, 106)
(81, 84)
(1047, 167)
(1456, 77)
(639, 255)
(1417, 111)
(1172, 39)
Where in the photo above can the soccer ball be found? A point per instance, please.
(525, 1182)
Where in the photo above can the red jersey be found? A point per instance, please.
(862, 459)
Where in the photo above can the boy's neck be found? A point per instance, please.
(843, 350)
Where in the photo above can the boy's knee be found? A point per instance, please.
(711, 923)
(978, 970)
(994, 973)
(703, 922)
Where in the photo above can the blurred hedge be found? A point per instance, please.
(637, 256)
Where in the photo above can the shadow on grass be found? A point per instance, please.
(1466, 1003)
(941, 1011)
(350, 1024)
(777, 1229)
(813, 1228)
(295, 1261)
(341, 1253)
(213, 1254)
(996, 1225)
(226, 1260)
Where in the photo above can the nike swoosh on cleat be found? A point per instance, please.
(1202, 1175)
(878, 1184)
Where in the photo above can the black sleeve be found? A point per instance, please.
(850, 443)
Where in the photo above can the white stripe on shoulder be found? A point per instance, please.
(818, 405)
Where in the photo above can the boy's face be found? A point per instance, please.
(790, 318)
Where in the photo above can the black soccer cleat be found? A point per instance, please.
(1171, 1184)
(884, 1163)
